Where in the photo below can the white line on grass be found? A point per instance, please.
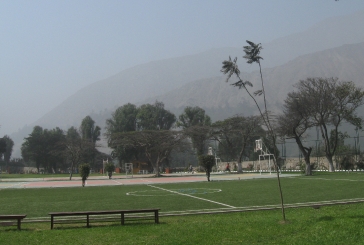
(203, 199)
(118, 182)
(327, 179)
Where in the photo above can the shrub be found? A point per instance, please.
(249, 167)
(347, 163)
(84, 170)
(360, 164)
(207, 162)
(109, 168)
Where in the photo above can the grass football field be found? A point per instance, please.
(338, 224)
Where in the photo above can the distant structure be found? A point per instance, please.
(209, 152)
(104, 163)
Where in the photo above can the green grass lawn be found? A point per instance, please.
(340, 224)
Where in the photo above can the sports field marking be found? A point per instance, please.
(327, 179)
(192, 191)
(183, 194)
(8, 186)
(116, 181)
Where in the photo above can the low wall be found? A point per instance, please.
(288, 163)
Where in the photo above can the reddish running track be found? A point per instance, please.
(122, 180)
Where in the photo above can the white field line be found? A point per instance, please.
(21, 184)
(239, 209)
(118, 182)
(327, 179)
(199, 198)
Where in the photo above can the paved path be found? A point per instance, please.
(6, 183)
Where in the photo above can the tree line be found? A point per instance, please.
(53, 149)
(152, 134)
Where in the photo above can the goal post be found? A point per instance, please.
(263, 153)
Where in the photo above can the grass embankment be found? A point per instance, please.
(328, 225)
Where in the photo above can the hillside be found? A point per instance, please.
(159, 77)
(196, 79)
(216, 96)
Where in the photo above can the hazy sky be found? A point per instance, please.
(50, 49)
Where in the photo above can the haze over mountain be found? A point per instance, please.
(155, 78)
(215, 96)
(196, 79)
(329, 33)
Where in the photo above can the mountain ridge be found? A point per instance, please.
(147, 81)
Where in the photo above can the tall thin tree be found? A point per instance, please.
(230, 67)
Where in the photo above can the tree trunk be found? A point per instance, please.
(308, 169)
(306, 152)
(157, 172)
(71, 172)
(307, 161)
(331, 163)
(208, 175)
(240, 167)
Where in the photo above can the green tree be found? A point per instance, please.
(155, 145)
(89, 130)
(154, 117)
(91, 133)
(84, 170)
(128, 118)
(196, 125)
(74, 148)
(207, 162)
(109, 168)
(9, 149)
(122, 120)
(330, 102)
(34, 147)
(2, 147)
(235, 134)
(294, 123)
(55, 138)
(44, 147)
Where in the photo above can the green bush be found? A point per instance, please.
(84, 170)
(302, 166)
(360, 164)
(347, 163)
(207, 162)
(109, 168)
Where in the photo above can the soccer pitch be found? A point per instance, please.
(188, 198)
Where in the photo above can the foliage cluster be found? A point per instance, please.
(56, 149)
(324, 103)
(207, 162)
(109, 168)
(84, 170)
